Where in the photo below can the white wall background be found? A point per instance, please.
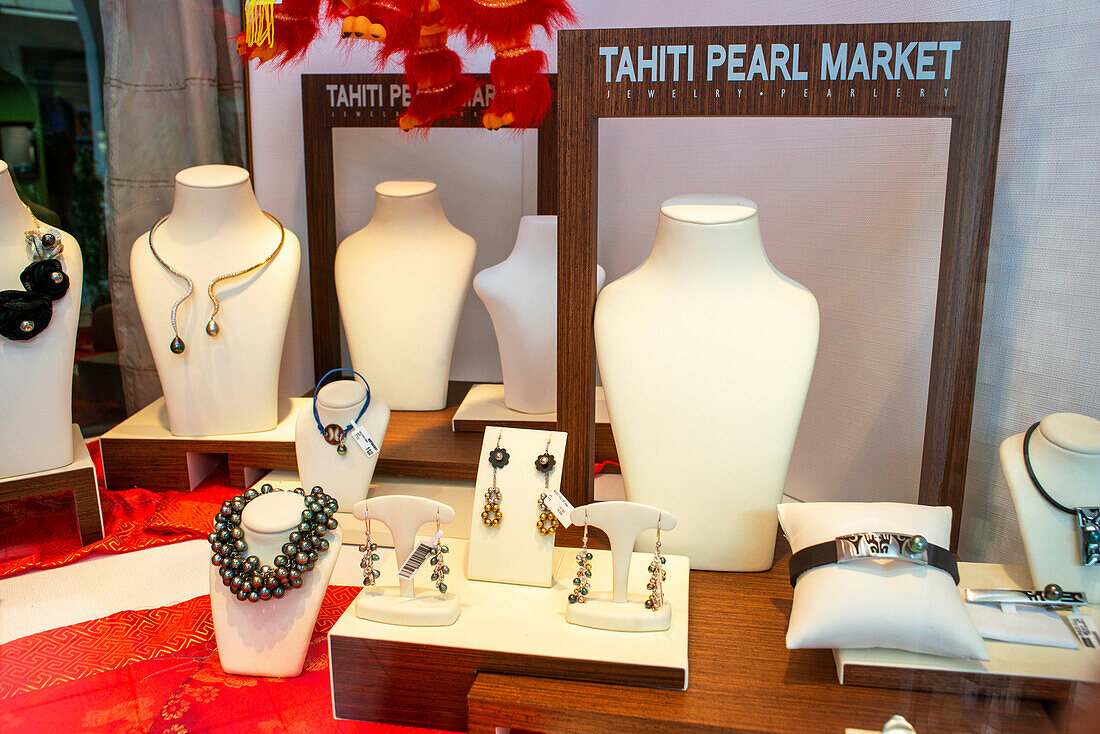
(839, 200)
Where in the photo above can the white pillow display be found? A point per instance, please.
(876, 603)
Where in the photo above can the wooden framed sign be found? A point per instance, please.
(902, 70)
(374, 100)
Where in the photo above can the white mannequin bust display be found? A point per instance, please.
(619, 610)
(1065, 456)
(227, 383)
(404, 515)
(37, 374)
(345, 477)
(270, 638)
(706, 352)
(401, 282)
(521, 295)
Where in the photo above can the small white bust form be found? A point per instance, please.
(404, 515)
(623, 522)
(36, 402)
(402, 281)
(521, 295)
(227, 383)
(346, 478)
(1065, 456)
(270, 638)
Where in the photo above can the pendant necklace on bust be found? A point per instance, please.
(1087, 518)
(333, 433)
(25, 314)
(177, 346)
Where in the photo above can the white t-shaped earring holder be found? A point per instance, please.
(404, 515)
(623, 522)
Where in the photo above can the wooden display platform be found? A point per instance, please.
(420, 676)
(743, 679)
(1044, 673)
(484, 406)
(78, 477)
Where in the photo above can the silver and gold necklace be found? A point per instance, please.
(212, 329)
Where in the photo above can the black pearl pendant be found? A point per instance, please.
(212, 328)
(342, 449)
(177, 346)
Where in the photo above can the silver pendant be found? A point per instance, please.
(1088, 527)
(1052, 596)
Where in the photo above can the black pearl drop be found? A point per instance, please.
(177, 346)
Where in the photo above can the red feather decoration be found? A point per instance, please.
(521, 88)
(296, 27)
(401, 19)
(493, 20)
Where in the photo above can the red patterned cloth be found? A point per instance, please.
(157, 670)
(41, 532)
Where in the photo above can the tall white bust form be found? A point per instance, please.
(1065, 456)
(37, 374)
(228, 383)
(270, 638)
(521, 295)
(346, 478)
(706, 352)
(401, 282)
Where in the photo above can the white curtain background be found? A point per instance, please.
(827, 188)
(173, 98)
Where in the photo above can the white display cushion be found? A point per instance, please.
(890, 604)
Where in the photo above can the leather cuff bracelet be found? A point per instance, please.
(879, 546)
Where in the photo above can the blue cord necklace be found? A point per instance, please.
(334, 434)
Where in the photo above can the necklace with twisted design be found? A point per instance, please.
(177, 346)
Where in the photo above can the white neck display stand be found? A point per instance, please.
(706, 352)
(37, 374)
(514, 552)
(270, 638)
(346, 478)
(521, 295)
(401, 282)
(1065, 455)
(623, 522)
(403, 515)
(228, 383)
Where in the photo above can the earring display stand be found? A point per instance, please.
(398, 604)
(378, 670)
(623, 522)
(514, 552)
(79, 477)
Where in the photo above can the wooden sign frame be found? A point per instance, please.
(374, 100)
(944, 70)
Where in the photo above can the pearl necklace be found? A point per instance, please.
(212, 329)
(245, 575)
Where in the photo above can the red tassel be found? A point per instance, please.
(401, 20)
(447, 101)
(521, 91)
(486, 22)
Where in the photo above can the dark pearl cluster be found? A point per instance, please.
(245, 575)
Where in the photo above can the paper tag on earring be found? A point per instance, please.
(1085, 628)
(415, 560)
(362, 437)
(555, 502)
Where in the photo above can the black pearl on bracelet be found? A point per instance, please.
(245, 575)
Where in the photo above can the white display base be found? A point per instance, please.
(484, 406)
(1005, 658)
(387, 606)
(601, 612)
(507, 625)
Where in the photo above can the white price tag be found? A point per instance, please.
(420, 554)
(362, 437)
(1085, 628)
(555, 502)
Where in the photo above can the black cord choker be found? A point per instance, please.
(25, 314)
(245, 575)
(1088, 518)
